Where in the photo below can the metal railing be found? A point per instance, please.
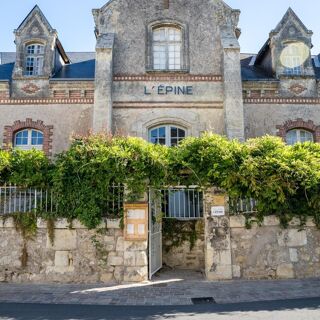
(115, 200)
(182, 203)
(242, 206)
(14, 199)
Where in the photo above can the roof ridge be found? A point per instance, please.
(36, 9)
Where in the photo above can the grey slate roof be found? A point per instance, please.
(316, 66)
(82, 66)
(84, 70)
(253, 73)
(8, 57)
(6, 71)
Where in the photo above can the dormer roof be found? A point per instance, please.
(290, 15)
(36, 11)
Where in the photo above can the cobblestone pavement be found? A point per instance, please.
(167, 288)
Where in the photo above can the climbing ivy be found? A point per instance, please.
(26, 225)
(176, 232)
(84, 175)
(285, 180)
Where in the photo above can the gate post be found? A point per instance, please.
(218, 262)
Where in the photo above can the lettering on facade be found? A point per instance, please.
(169, 90)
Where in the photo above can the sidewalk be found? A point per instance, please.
(168, 288)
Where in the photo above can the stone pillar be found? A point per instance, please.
(102, 112)
(218, 263)
(233, 102)
(135, 261)
(136, 255)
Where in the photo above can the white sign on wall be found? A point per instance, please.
(217, 211)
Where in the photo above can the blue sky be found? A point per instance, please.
(74, 22)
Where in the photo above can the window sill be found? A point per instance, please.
(31, 78)
(295, 76)
(159, 72)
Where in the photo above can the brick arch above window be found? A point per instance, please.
(299, 124)
(47, 130)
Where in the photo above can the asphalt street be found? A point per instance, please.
(298, 309)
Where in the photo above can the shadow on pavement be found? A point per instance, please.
(91, 312)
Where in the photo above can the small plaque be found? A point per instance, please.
(217, 211)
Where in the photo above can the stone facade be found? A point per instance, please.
(77, 255)
(118, 89)
(233, 251)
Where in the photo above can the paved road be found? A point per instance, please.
(302, 309)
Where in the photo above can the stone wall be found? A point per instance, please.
(77, 255)
(270, 252)
(263, 252)
(184, 257)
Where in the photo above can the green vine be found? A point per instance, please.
(176, 232)
(51, 229)
(102, 253)
(284, 180)
(26, 225)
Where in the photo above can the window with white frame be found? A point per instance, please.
(28, 139)
(298, 135)
(167, 48)
(34, 60)
(168, 135)
(292, 60)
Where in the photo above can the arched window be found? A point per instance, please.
(168, 135)
(167, 48)
(34, 59)
(28, 139)
(298, 135)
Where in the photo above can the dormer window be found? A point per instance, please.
(293, 57)
(34, 60)
(292, 61)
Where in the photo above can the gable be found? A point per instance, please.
(35, 23)
(107, 17)
(291, 19)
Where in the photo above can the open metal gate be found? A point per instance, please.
(155, 233)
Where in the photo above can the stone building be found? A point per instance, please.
(162, 70)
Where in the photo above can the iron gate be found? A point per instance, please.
(171, 203)
(155, 233)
